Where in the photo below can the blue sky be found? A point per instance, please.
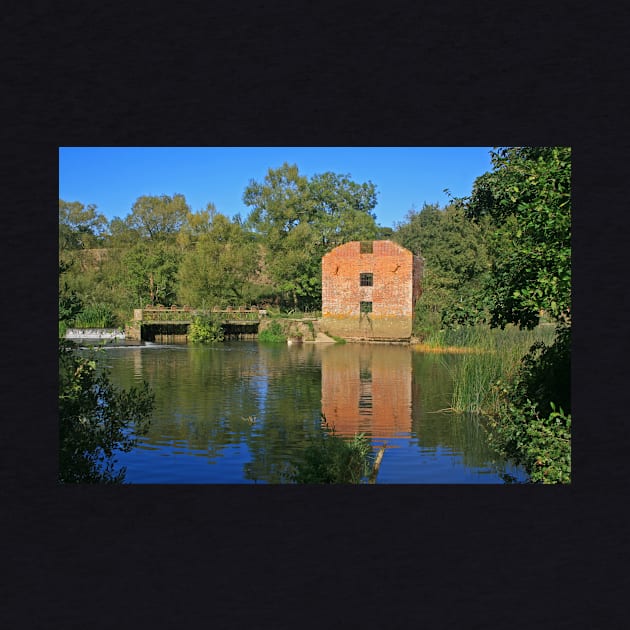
(112, 178)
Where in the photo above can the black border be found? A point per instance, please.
(447, 74)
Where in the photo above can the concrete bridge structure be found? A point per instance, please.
(159, 322)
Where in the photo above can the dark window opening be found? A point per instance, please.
(367, 279)
(366, 247)
(366, 307)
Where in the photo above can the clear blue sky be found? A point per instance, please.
(112, 178)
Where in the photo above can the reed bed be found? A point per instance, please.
(490, 356)
(95, 316)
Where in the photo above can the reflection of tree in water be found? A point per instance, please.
(291, 412)
(269, 397)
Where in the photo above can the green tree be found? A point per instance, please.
(121, 235)
(220, 267)
(151, 272)
(456, 261)
(96, 419)
(196, 224)
(79, 227)
(298, 221)
(343, 209)
(158, 217)
(70, 304)
(528, 197)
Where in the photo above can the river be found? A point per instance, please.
(238, 412)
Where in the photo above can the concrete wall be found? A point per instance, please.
(396, 287)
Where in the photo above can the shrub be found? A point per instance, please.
(96, 419)
(532, 424)
(205, 329)
(541, 443)
(273, 333)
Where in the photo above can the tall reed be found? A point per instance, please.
(498, 356)
(95, 316)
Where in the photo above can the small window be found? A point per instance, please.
(366, 247)
(367, 279)
(365, 307)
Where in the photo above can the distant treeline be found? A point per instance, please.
(476, 255)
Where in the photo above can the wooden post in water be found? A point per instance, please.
(377, 464)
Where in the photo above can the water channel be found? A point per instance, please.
(239, 412)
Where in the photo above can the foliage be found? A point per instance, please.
(205, 329)
(69, 302)
(343, 209)
(528, 197)
(497, 357)
(158, 217)
(273, 333)
(150, 272)
(332, 459)
(79, 227)
(95, 420)
(220, 266)
(545, 374)
(298, 220)
(540, 442)
(96, 315)
(195, 225)
(456, 264)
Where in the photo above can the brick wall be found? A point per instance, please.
(396, 286)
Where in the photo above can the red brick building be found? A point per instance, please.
(369, 290)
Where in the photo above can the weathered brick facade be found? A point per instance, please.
(370, 295)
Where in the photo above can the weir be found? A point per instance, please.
(171, 324)
(94, 333)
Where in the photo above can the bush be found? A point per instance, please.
(532, 425)
(205, 329)
(273, 333)
(541, 443)
(95, 420)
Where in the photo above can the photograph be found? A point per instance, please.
(314, 315)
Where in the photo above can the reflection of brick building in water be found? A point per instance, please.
(367, 388)
(369, 290)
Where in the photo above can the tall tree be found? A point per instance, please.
(158, 217)
(196, 224)
(79, 227)
(343, 209)
(151, 272)
(299, 220)
(528, 196)
(456, 263)
(220, 267)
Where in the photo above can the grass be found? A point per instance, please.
(95, 316)
(490, 355)
(272, 334)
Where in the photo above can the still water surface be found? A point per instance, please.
(239, 412)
